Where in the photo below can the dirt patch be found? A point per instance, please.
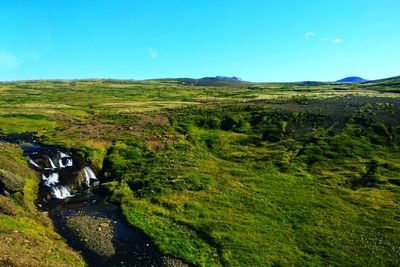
(155, 142)
(146, 120)
(154, 119)
(87, 130)
(110, 128)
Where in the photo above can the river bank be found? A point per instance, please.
(81, 215)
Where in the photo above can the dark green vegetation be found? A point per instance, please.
(235, 174)
(27, 237)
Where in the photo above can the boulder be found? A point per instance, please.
(7, 206)
(10, 182)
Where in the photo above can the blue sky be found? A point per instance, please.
(257, 40)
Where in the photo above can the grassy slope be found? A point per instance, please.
(26, 236)
(259, 174)
(287, 202)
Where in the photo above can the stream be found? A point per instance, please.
(81, 215)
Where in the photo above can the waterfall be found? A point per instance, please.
(51, 163)
(60, 163)
(68, 162)
(64, 160)
(61, 192)
(88, 174)
(63, 155)
(33, 163)
(50, 180)
(59, 174)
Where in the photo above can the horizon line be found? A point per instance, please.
(175, 78)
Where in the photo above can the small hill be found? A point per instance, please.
(395, 79)
(206, 81)
(387, 85)
(352, 79)
(225, 78)
(218, 79)
(212, 81)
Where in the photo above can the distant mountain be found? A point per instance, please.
(220, 79)
(212, 81)
(229, 79)
(352, 79)
(206, 81)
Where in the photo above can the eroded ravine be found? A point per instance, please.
(81, 215)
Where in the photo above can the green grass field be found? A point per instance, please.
(243, 174)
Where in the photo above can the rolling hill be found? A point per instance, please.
(352, 79)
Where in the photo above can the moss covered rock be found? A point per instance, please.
(7, 206)
(10, 182)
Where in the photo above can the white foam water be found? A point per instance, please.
(68, 164)
(61, 192)
(61, 158)
(51, 164)
(60, 163)
(50, 180)
(88, 174)
(63, 155)
(33, 163)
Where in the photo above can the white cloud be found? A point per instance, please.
(337, 41)
(309, 35)
(152, 53)
(8, 61)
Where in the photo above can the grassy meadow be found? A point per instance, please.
(231, 174)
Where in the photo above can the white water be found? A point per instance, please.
(52, 164)
(61, 160)
(61, 192)
(61, 156)
(52, 179)
(88, 174)
(33, 163)
(68, 164)
(60, 163)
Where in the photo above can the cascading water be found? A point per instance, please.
(31, 162)
(88, 174)
(60, 175)
(50, 180)
(52, 166)
(64, 160)
(61, 192)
